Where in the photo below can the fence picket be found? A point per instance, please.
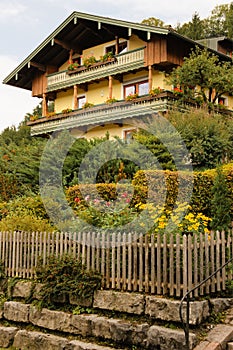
(152, 264)
(129, 245)
(178, 268)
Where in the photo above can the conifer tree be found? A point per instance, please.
(220, 203)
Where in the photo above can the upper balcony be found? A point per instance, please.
(124, 62)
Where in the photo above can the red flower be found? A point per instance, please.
(77, 200)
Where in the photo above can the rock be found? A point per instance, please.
(122, 302)
(168, 310)
(79, 345)
(82, 324)
(54, 320)
(165, 338)
(220, 304)
(7, 335)
(36, 341)
(101, 328)
(15, 311)
(22, 289)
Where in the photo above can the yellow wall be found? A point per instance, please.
(63, 100)
(99, 93)
(100, 131)
(135, 43)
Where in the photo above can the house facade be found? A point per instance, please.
(102, 75)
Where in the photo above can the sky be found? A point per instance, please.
(24, 24)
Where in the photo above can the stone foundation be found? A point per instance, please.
(118, 331)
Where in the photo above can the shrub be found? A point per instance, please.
(67, 276)
(26, 223)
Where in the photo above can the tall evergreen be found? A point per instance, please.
(220, 203)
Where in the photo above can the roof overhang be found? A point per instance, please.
(78, 32)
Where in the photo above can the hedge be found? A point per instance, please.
(160, 185)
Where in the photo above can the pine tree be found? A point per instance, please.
(220, 203)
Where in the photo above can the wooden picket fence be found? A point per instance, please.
(162, 264)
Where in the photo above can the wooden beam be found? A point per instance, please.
(44, 105)
(66, 45)
(110, 87)
(117, 45)
(75, 96)
(150, 77)
(40, 66)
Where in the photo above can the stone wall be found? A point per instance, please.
(132, 303)
(118, 331)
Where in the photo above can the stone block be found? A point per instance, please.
(22, 289)
(80, 345)
(123, 302)
(76, 300)
(168, 310)
(221, 334)
(220, 304)
(165, 338)
(7, 336)
(36, 341)
(202, 345)
(101, 327)
(15, 311)
(82, 324)
(54, 320)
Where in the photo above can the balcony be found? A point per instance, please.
(103, 114)
(124, 62)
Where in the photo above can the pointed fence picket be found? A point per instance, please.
(159, 264)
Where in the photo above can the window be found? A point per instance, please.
(122, 47)
(81, 101)
(140, 88)
(128, 135)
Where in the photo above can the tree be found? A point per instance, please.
(204, 71)
(221, 204)
(193, 29)
(152, 21)
(208, 137)
(219, 23)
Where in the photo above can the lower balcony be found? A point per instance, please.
(102, 114)
(116, 112)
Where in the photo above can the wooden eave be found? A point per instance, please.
(79, 32)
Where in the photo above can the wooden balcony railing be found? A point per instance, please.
(123, 63)
(103, 113)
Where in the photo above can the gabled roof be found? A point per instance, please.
(79, 31)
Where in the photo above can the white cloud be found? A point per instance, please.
(15, 103)
(11, 8)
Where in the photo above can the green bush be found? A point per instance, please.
(26, 223)
(65, 276)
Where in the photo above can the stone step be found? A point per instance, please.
(218, 338)
(230, 346)
(115, 330)
(29, 340)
